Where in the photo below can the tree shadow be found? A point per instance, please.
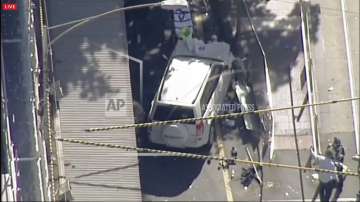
(280, 37)
(281, 40)
(78, 55)
(150, 37)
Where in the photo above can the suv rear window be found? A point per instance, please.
(171, 112)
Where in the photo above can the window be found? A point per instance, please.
(171, 112)
(210, 86)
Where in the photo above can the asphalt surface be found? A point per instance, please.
(19, 94)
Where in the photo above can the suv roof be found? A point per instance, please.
(184, 78)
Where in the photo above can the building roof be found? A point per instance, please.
(91, 69)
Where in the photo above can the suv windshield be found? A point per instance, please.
(171, 112)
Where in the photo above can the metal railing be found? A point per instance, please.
(47, 89)
(305, 32)
(268, 117)
(39, 139)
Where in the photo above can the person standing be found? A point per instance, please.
(339, 151)
(234, 154)
(339, 155)
(327, 180)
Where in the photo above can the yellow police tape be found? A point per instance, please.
(205, 157)
(225, 116)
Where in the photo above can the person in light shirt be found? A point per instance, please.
(327, 180)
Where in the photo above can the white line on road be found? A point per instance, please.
(225, 172)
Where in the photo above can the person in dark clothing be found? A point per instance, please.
(339, 155)
(339, 150)
(234, 153)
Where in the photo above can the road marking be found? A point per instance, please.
(225, 172)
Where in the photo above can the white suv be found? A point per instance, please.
(191, 88)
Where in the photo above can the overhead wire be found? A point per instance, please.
(232, 115)
(103, 14)
(205, 157)
(80, 22)
(224, 116)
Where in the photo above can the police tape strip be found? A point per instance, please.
(225, 116)
(204, 157)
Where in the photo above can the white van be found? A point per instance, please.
(192, 87)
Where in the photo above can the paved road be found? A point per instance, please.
(19, 93)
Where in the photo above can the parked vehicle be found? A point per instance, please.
(191, 87)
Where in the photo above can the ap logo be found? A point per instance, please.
(118, 104)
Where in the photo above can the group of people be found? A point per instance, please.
(333, 159)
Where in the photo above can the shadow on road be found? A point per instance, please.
(150, 38)
(280, 38)
(168, 175)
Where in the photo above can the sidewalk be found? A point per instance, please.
(352, 18)
(278, 26)
(331, 75)
(280, 35)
